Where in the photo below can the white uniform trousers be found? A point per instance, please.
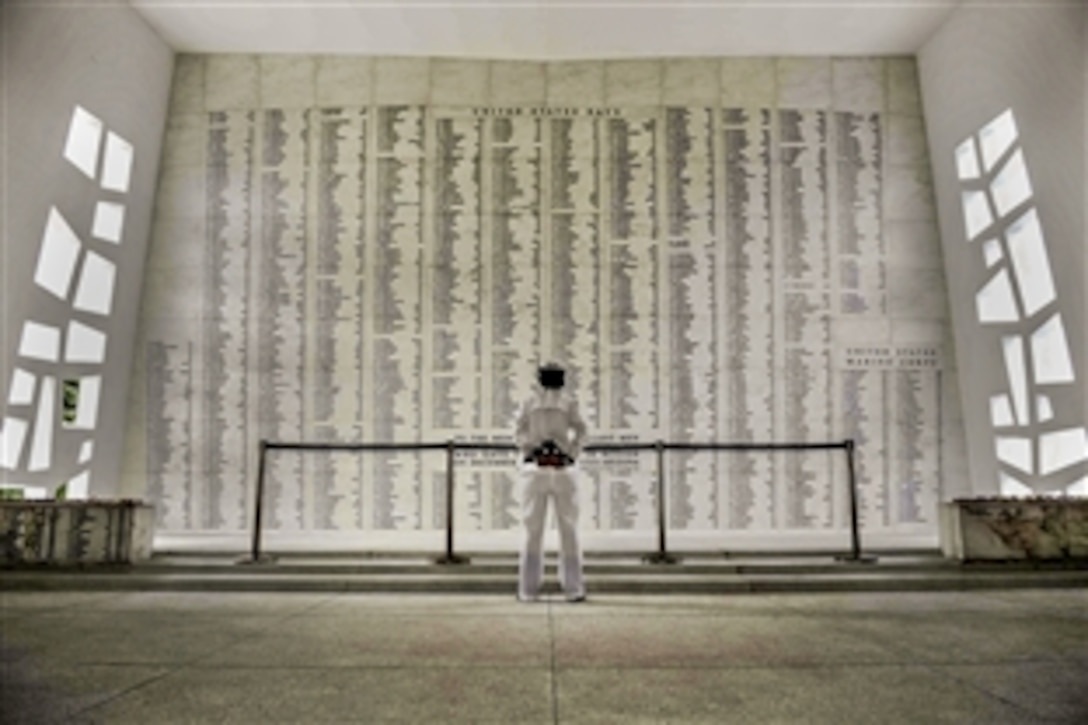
(561, 486)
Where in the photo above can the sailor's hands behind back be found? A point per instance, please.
(549, 453)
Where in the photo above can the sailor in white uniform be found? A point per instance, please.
(550, 434)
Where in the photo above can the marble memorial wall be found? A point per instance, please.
(351, 249)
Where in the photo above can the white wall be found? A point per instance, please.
(107, 60)
(981, 62)
(361, 249)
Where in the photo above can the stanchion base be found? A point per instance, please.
(263, 559)
(660, 557)
(455, 559)
(859, 559)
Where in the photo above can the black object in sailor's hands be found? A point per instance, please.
(549, 455)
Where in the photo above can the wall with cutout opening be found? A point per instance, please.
(1004, 95)
(86, 92)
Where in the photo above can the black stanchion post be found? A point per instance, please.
(255, 555)
(855, 536)
(661, 556)
(449, 557)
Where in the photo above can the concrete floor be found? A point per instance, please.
(161, 657)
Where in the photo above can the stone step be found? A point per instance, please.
(177, 554)
(592, 567)
(425, 577)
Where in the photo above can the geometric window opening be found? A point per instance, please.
(1061, 449)
(976, 213)
(41, 449)
(1011, 187)
(36, 493)
(1078, 489)
(11, 492)
(996, 137)
(86, 451)
(77, 487)
(1030, 262)
(1050, 353)
(85, 344)
(86, 403)
(967, 160)
(117, 166)
(40, 342)
(1016, 452)
(84, 141)
(991, 250)
(1012, 486)
(57, 255)
(95, 291)
(1013, 349)
(12, 437)
(995, 301)
(70, 401)
(1043, 408)
(22, 492)
(22, 387)
(1000, 411)
(109, 218)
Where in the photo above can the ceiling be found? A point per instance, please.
(548, 29)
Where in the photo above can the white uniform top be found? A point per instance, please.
(551, 414)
